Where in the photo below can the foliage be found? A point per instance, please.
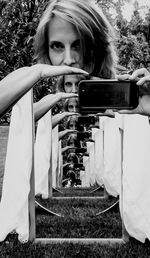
(134, 41)
(18, 23)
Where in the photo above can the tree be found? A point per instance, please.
(18, 23)
(133, 44)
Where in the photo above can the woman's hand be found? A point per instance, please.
(67, 148)
(107, 112)
(66, 132)
(142, 76)
(143, 107)
(58, 117)
(52, 70)
(66, 114)
(19, 82)
(64, 95)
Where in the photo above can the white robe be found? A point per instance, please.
(60, 165)
(86, 179)
(112, 157)
(42, 154)
(55, 155)
(97, 136)
(14, 213)
(90, 150)
(136, 176)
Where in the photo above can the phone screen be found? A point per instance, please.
(97, 95)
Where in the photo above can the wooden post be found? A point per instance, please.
(125, 234)
(31, 197)
(83, 241)
(105, 191)
(50, 188)
(101, 241)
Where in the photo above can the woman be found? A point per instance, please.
(69, 83)
(142, 76)
(71, 105)
(19, 82)
(76, 33)
(72, 122)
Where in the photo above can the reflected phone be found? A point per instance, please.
(80, 150)
(83, 135)
(97, 95)
(86, 120)
(78, 165)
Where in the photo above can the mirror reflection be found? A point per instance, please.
(83, 164)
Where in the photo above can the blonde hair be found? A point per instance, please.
(72, 119)
(66, 103)
(61, 81)
(95, 32)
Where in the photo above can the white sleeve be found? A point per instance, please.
(42, 154)
(14, 215)
(136, 176)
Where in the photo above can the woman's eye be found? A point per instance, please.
(68, 84)
(57, 46)
(76, 45)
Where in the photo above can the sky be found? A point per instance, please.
(128, 8)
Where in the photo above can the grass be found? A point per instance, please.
(78, 221)
(78, 191)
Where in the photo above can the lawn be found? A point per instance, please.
(78, 220)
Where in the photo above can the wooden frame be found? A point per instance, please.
(102, 241)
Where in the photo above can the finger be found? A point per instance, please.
(69, 95)
(143, 80)
(108, 112)
(72, 131)
(71, 114)
(105, 114)
(139, 72)
(72, 95)
(133, 111)
(95, 78)
(48, 70)
(123, 77)
(72, 147)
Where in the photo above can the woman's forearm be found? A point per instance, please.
(19, 82)
(15, 85)
(41, 107)
(57, 118)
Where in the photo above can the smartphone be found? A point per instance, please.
(80, 150)
(83, 135)
(97, 95)
(86, 120)
(79, 165)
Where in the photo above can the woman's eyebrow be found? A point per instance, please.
(76, 41)
(54, 42)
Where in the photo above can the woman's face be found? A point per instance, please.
(73, 105)
(71, 83)
(64, 43)
(72, 123)
(72, 140)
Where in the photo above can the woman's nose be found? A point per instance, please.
(74, 88)
(74, 109)
(68, 57)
